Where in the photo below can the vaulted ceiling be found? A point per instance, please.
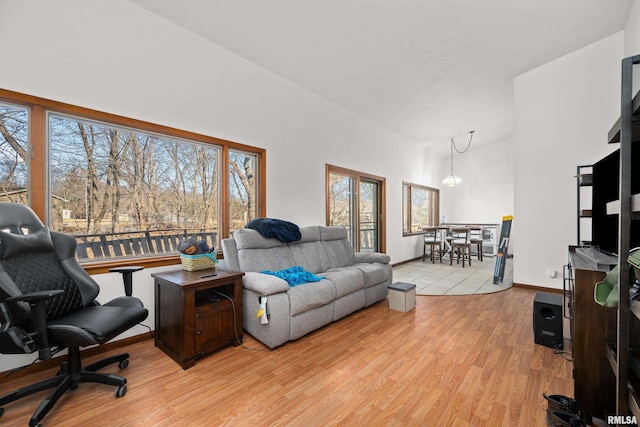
(424, 69)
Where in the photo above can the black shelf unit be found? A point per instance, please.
(626, 131)
(584, 175)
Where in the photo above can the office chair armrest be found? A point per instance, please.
(127, 276)
(36, 301)
(35, 296)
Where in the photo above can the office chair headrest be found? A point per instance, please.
(21, 231)
(16, 244)
(16, 217)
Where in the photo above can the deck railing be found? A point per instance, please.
(138, 243)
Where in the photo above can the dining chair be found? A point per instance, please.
(475, 239)
(433, 240)
(461, 245)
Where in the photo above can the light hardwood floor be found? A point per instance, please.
(453, 361)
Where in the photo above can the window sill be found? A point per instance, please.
(93, 267)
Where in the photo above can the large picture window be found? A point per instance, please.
(420, 208)
(126, 189)
(112, 187)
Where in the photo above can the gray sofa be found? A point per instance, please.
(351, 281)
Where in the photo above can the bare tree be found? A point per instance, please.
(243, 181)
(13, 152)
(206, 168)
(139, 178)
(112, 187)
(92, 184)
(178, 186)
(339, 200)
(21, 151)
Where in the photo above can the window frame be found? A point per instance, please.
(38, 164)
(358, 176)
(407, 207)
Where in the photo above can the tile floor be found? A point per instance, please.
(445, 279)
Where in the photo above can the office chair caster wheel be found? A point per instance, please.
(1, 411)
(123, 363)
(120, 391)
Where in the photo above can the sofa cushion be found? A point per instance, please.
(257, 253)
(310, 320)
(371, 257)
(264, 284)
(333, 232)
(310, 295)
(247, 238)
(337, 248)
(309, 234)
(311, 256)
(277, 258)
(348, 304)
(308, 252)
(375, 293)
(373, 273)
(346, 279)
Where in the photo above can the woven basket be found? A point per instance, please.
(198, 262)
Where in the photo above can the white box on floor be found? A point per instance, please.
(402, 296)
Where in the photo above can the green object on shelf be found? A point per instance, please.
(606, 293)
(634, 261)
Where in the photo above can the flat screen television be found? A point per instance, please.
(605, 189)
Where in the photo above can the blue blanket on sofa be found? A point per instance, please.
(282, 230)
(295, 275)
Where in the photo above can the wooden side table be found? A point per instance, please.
(194, 312)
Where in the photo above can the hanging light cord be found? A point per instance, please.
(453, 144)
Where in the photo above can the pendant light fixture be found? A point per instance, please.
(451, 180)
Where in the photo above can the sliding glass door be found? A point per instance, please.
(355, 200)
(368, 218)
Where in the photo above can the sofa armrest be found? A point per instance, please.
(371, 257)
(264, 284)
(230, 254)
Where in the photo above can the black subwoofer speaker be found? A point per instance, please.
(547, 320)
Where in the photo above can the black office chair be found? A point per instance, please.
(47, 301)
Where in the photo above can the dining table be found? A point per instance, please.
(446, 234)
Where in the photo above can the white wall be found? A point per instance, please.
(632, 30)
(632, 39)
(486, 193)
(563, 111)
